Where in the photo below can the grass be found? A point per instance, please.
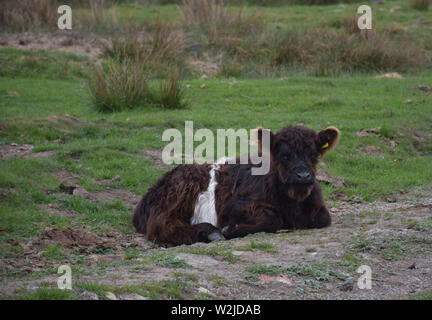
(263, 246)
(425, 225)
(425, 295)
(42, 64)
(45, 294)
(169, 261)
(53, 252)
(390, 248)
(116, 86)
(271, 270)
(320, 271)
(223, 249)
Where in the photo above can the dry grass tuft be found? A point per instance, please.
(164, 43)
(422, 5)
(172, 92)
(24, 14)
(325, 53)
(116, 86)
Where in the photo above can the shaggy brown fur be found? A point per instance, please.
(287, 197)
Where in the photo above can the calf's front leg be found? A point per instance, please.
(246, 218)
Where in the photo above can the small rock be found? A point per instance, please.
(32, 288)
(408, 101)
(204, 290)
(188, 86)
(391, 199)
(348, 285)
(204, 76)
(422, 87)
(132, 296)
(111, 296)
(202, 86)
(390, 75)
(237, 253)
(87, 295)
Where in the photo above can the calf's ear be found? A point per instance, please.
(262, 138)
(328, 139)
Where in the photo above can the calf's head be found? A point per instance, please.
(295, 152)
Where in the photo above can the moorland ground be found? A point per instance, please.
(70, 174)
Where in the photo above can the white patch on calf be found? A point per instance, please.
(205, 207)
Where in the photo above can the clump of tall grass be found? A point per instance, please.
(327, 53)
(420, 4)
(172, 93)
(25, 14)
(119, 85)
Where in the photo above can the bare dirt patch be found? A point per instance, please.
(22, 151)
(204, 67)
(372, 151)
(74, 42)
(156, 157)
(70, 238)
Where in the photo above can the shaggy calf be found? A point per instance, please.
(202, 203)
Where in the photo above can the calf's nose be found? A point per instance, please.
(303, 176)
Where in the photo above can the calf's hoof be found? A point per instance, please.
(215, 235)
(228, 230)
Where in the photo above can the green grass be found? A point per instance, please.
(42, 64)
(271, 270)
(424, 225)
(319, 271)
(425, 295)
(390, 248)
(263, 246)
(45, 294)
(53, 252)
(220, 249)
(297, 16)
